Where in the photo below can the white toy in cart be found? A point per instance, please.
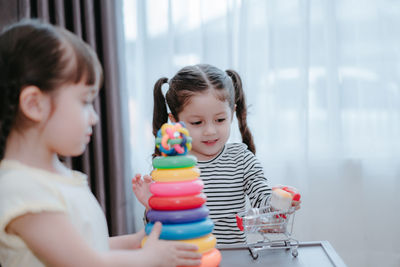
(272, 221)
(283, 196)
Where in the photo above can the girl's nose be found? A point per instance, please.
(210, 129)
(94, 118)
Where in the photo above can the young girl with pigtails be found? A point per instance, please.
(49, 79)
(205, 98)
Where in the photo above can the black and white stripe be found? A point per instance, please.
(228, 178)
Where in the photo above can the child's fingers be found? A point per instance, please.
(185, 246)
(188, 254)
(296, 204)
(134, 183)
(188, 262)
(155, 232)
(141, 234)
(136, 179)
(188, 258)
(147, 178)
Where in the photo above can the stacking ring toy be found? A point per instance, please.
(183, 231)
(210, 259)
(173, 162)
(170, 189)
(175, 175)
(177, 203)
(178, 216)
(176, 132)
(204, 243)
(173, 141)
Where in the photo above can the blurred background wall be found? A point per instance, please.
(322, 83)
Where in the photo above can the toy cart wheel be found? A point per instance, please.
(295, 253)
(253, 254)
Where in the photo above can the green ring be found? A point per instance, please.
(172, 162)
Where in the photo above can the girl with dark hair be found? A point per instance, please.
(205, 98)
(49, 79)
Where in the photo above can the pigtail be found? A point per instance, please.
(8, 111)
(160, 113)
(241, 110)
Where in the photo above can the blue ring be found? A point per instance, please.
(182, 231)
(178, 216)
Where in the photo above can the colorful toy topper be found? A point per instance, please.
(173, 139)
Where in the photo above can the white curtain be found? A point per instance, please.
(322, 80)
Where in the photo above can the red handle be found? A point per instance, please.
(239, 222)
(296, 197)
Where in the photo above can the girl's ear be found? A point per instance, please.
(171, 117)
(33, 103)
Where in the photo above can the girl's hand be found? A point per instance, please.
(296, 204)
(130, 241)
(141, 188)
(169, 253)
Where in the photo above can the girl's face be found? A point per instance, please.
(69, 127)
(208, 120)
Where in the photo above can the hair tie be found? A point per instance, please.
(164, 91)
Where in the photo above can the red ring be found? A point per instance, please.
(178, 202)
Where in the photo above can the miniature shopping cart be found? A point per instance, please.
(275, 227)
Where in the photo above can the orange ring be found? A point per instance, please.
(210, 259)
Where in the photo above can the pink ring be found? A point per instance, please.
(170, 189)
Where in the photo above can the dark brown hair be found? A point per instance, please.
(196, 79)
(43, 55)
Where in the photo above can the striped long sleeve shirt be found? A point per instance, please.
(228, 178)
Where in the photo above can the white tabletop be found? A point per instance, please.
(318, 253)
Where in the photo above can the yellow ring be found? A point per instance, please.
(204, 243)
(175, 175)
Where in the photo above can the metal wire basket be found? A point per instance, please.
(275, 227)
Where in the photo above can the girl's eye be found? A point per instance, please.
(87, 102)
(196, 123)
(221, 120)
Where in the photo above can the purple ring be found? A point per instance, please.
(178, 216)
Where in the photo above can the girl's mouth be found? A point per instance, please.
(210, 142)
